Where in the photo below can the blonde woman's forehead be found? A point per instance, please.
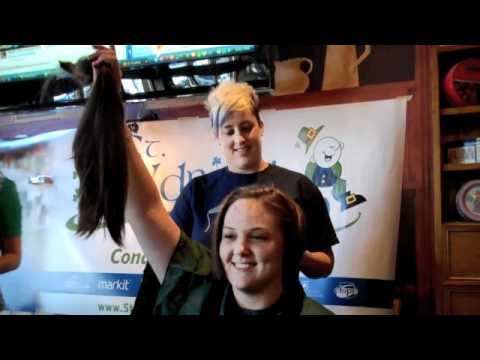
(228, 98)
(238, 117)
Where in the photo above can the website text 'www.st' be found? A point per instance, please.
(115, 308)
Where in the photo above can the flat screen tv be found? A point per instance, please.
(131, 56)
(33, 62)
(177, 70)
(28, 71)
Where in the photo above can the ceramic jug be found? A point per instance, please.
(290, 78)
(341, 66)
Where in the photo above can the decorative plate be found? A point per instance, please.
(468, 200)
(462, 83)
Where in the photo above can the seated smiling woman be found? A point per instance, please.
(253, 265)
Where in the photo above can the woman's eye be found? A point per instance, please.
(246, 129)
(259, 237)
(229, 236)
(228, 132)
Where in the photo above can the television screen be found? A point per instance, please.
(178, 70)
(144, 55)
(31, 62)
(32, 78)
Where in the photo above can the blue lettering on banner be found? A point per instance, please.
(373, 293)
(107, 284)
(179, 180)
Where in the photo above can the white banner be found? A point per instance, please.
(353, 152)
(61, 273)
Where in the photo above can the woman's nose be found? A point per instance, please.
(241, 247)
(239, 138)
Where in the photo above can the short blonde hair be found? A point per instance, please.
(231, 96)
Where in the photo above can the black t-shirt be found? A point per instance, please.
(198, 204)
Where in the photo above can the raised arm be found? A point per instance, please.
(156, 232)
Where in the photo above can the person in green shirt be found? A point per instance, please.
(252, 267)
(10, 228)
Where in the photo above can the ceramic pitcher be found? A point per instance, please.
(341, 66)
(290, 78)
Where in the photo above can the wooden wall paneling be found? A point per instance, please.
(418, 178)
(460, 300)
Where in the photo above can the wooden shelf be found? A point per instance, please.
(448, 48)
(452, 234)
(461, 167)
(462, 284)
(462, 223)
(460, 110)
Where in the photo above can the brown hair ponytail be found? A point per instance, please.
(99, 152)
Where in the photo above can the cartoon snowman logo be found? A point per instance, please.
(324, 168)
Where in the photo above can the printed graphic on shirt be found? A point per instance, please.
(211, 216)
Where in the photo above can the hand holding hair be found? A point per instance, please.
(105, 56)
(99, 153)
